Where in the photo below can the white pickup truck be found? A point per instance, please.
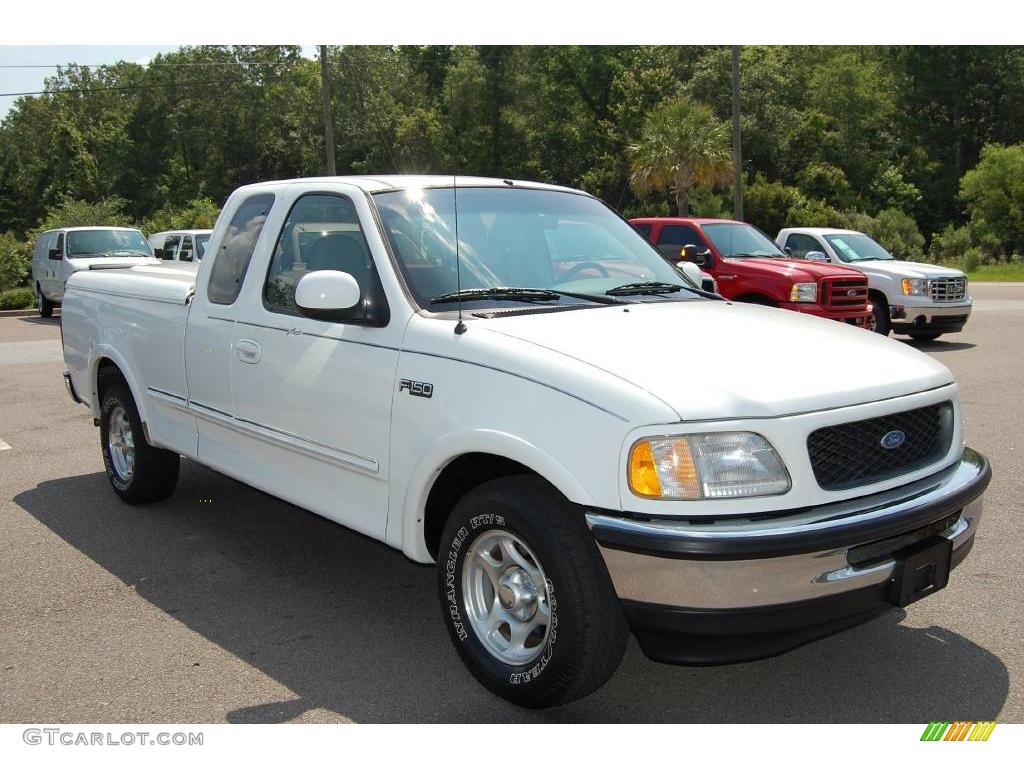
(490, 376)
(923, 301)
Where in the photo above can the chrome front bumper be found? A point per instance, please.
(811, 557)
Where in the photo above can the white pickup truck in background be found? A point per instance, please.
(513, 403)
(923, 301)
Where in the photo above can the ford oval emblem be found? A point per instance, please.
(893, 440)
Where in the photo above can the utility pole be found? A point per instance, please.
(325, 95)
(737, 150)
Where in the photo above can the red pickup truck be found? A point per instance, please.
(748, 266)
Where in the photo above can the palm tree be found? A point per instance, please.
(683, 145)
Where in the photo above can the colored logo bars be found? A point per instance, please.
(958, 731)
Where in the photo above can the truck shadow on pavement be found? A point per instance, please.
(937, 345)
(351, 626)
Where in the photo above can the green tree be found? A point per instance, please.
(683, 145)
(993, 193)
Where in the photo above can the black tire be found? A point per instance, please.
(880, 315)
(587, 630)
(924, 335)
(154, 471)
(45, 305)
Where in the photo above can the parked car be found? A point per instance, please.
(923, 301)
(180, 244)
(747, 266)
(58, 253)
(515, 407)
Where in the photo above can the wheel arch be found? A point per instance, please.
(455, 467)
(107, 365)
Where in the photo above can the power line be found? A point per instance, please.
(138, 87)
(162, 64)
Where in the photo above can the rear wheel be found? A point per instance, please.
(137, 471)
(924, 335)
(526, 597)
(45, 305)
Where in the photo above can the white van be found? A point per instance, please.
(60, 252)
(180, 244)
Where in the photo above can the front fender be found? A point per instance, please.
(448, 448)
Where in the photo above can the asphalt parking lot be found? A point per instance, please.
(224, 604)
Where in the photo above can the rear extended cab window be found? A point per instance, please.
(236, 248)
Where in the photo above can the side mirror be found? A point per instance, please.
(55, 254)
(325, 293)
(692, 271)
(815, 256)
(692, 254)
(788, 251)
(160, 253)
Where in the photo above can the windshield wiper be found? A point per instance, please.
(499, 293)
(637, 289)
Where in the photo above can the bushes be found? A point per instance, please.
(15, 263)
(200, 213)
(19, 298)
(993, 194)
(894, 229)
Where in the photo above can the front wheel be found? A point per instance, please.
(879, 321)
(137, 471)
(526, 597)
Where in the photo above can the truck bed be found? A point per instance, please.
(135, 317)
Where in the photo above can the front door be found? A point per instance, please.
(313, 396)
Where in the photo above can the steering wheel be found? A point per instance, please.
(582, 266)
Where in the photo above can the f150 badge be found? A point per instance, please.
(416, 388)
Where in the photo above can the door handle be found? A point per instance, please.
(248, 351)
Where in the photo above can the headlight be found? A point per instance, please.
(803, 292)
(719, 465)
(915, 286)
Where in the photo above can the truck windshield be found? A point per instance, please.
(514, 238)
(201, 242)
(107, 242)
(734, 240)
(853, 246)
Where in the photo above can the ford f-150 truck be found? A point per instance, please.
(479, 375)
(923, 301)
(747, 266)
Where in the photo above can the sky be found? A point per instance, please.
(15, 77)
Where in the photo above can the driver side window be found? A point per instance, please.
(321, 232)
(673, 237)
(800, 245)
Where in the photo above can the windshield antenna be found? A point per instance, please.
(460, 327)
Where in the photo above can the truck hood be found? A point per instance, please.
(796, 270)
(710, 360)
(898, 268)
(110, 262)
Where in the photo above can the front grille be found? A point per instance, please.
(949, 288)
(844, 292)
(852, 454)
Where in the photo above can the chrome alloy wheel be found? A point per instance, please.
(505, 596)
(121, 443)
